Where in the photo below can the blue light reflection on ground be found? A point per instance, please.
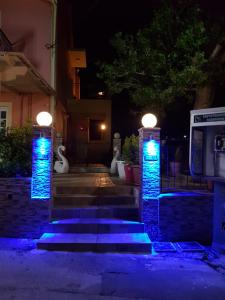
(49, 235)
(151, 170)
(41, 168)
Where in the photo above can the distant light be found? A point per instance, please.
(185, 136)
(44, 118)
(103, 126)
(149, 120)
(101, 93)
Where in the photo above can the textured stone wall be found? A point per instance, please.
(179, 217)
(149, 151)
(19, 215)
(186, 217)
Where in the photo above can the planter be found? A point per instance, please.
(175, 168)
(136, 174)
(128, 174)
(120, 168)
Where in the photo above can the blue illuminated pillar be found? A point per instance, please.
(41, 185)
(149, 151)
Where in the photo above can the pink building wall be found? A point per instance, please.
(28, 24)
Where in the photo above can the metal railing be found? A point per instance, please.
(175, 170)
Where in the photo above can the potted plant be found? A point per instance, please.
(175, 163)
(120, 168)
(131, 158)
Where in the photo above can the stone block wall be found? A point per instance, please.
(186, 217)
(20, 216)
(179, 217)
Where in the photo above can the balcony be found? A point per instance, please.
(5, 44)
(18, 75)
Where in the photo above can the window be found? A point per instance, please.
(3, 118)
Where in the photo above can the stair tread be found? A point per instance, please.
(86, 238)
(97, 207)
(92, 195)
(95, 221)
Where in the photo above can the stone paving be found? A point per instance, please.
(27, 273)
(85, 180)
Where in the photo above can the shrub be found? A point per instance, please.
(131, 149)
(16, 152)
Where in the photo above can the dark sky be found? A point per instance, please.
(96, 21)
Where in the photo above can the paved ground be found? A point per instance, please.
(27, 273)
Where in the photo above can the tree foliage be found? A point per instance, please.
(167, 60)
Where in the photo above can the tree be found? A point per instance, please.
(168, 60)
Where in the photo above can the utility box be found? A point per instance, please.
(207, 160)
(207, 143)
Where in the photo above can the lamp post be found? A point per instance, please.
(149, 153)
(42, 158)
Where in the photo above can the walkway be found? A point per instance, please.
(28, 273)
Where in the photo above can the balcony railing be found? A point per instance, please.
(5, 44)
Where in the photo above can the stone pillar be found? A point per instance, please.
(149, 151)
(41, 182)
(41, 185)
(116, 142)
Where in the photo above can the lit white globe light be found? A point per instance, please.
(44, 118)
(149, 121)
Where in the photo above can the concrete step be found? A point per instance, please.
(127, 212)
(100, 225)
(69, 188)
(81, 200)
(129, 242)
(89, 170)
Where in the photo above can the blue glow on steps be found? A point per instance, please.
(125, 242)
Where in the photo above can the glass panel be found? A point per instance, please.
(3, 114)
(3, 123)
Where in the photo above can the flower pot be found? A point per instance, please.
(175, 168)
(136, 174)
(128, 174)
(120, 168)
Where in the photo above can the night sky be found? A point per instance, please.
(95, 23)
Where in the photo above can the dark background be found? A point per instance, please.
(95, 22)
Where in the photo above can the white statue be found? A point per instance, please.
(61, 166)
(115, 158)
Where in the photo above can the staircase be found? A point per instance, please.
(98, 218)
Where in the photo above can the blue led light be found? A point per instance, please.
(41, 168)
(151, 170)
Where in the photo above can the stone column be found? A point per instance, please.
(117, 142)
(149, 151)
(41, 186)
(41, 183)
